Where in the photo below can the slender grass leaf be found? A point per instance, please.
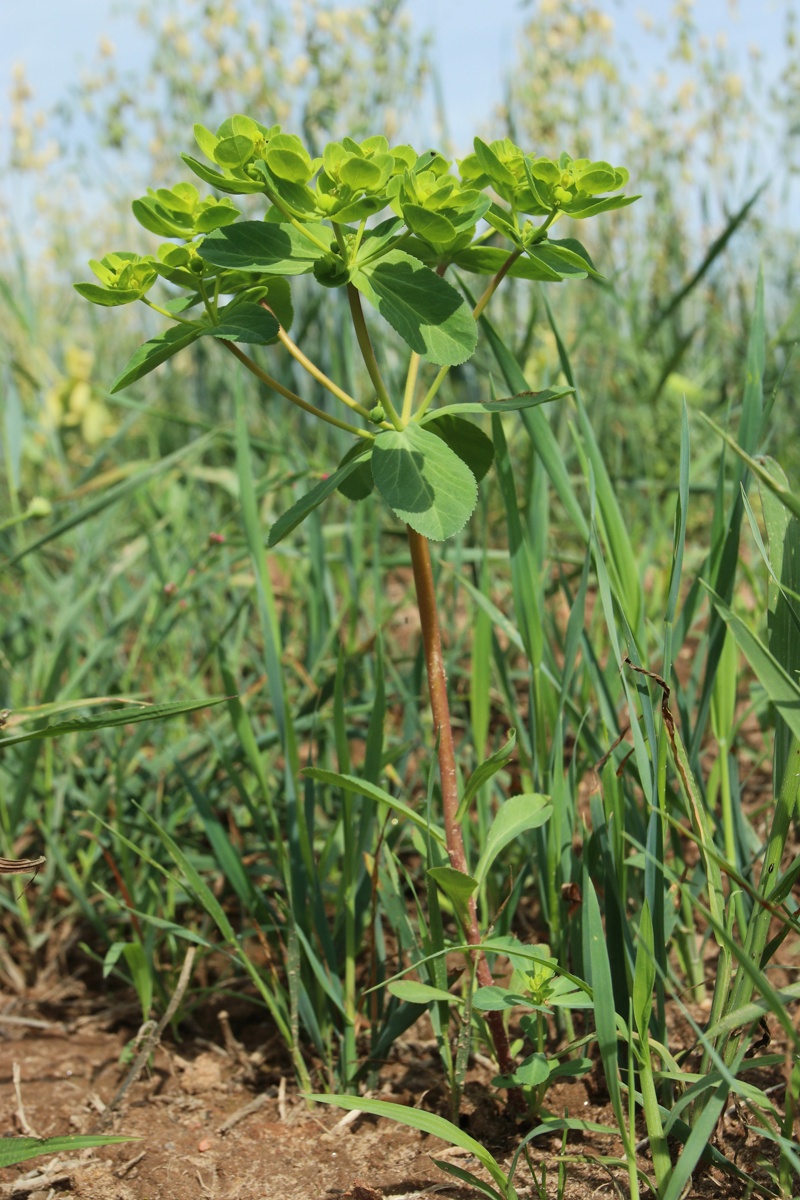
(749, 1013)
(713, 252)
(644, 973)
(15, 1150)
(782, 690)
(496, 616)
(373, 750)
(604, 1007)
(697, 1142)
(784, 494)
(622, 561)
(195, 882)
(124, 716)
(536, 424)
(428, 1123)
(228, 857)
(783, 620)
(525, 576)
(681, 514)
(361, 787)
(468, 1178)
(116, 492)
(486, 260)
(205, 897)
(329, 982)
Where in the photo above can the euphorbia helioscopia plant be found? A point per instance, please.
(386, 224)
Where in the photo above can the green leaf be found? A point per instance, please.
(306, 504)
(484, 772)
(530, 1073)
(246, 322)
(426, 1122)
(427, 312)
(783, 532)
(108, 297)
(296, 199)
(213, 216)
(457, 886)
(287, 157)
(498, 218)
(431, 226)
(206, 140)
(279, 298)
(562, 259)
(466, 440)
(493, 998)
(423, 481)
(499, 174)
(234, 185)
(516, 816)
(361, 174)
(488, 260)
(525, 573)
(264, 246)
(15, 1150)
(234, 151)
(420, 993)
(159, 220)
(110, 720)
(358, 484)
(194, 882)
(580, 209)
(156, 351)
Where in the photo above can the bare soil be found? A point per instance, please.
(181, 1111)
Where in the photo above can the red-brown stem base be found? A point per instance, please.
(440, 707)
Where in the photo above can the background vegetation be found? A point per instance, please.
(134, 567)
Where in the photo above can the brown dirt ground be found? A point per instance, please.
(70, 1068)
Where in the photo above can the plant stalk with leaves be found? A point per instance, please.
(229, 278)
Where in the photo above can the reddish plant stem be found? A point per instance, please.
(440, 707)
